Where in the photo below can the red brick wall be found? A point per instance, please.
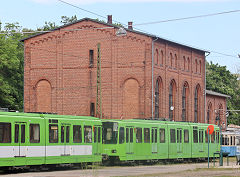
(180, 73)
(62, 59)
(217, 107)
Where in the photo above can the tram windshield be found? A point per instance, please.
(110, 132)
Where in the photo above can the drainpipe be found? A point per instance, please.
(152, 71)
(205, 82)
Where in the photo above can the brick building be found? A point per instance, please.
(142, 75)
(216, 106)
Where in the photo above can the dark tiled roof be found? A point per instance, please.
(209, 92)
(116, 26)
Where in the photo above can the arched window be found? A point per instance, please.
(157, 56)
(185, 102)
(175, 58)
(196, 66)
(188, 60)
(219, 115)
(161, 57)
(172, 93)
(200, 66)
(157, 99)
(209, 112)
(196, 104)
(171, 59)
(184, 63)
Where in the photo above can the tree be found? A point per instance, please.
(219, 79)
(65, 20)
(12, 61)
(48, 26)
(11, 67)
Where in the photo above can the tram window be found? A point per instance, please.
(152, 135)
(226, 140)
(62, 134)
(67, 134)
(234, 141)
(146, 135)
(5, 132)
(34, 133)
(16, 133)
(223, 140)
(127, 135)
(195, 136)
(53, 133)
(213, 137)
(22, 133)
(179, 136)
(99, 134)
(110, 133)
(172, 136)
(200, 136)
(155, 135)
(186, 136)
(162, 135)
(95, 134)
(121, 135)
(131, 135)
(237, 141)
(87, 134)
(138, 135)
(77, 134)
(231, 142)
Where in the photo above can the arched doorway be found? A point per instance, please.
(44, 96)
(131, 99)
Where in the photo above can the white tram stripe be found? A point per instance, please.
(39, 151)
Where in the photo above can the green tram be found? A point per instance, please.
(36, 139)
(136, 140)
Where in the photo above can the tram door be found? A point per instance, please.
(97, 140)
(20, 149)
(201, 146)
(129, 140)
(154, 140)
(65, 136)
(179, 141)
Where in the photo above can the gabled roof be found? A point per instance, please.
(209, 92)
(116, 26)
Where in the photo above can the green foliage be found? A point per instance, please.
(11, 67)
(65, 20)
(12, 61)
(219, 79)
(48, 26)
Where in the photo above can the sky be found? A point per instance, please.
(218, 34)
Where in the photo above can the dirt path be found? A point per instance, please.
(194, 169)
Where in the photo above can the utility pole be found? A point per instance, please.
(99, 88)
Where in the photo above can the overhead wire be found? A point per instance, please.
(224, 54)
(164, 21)
(187, 18)
(70, 4)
